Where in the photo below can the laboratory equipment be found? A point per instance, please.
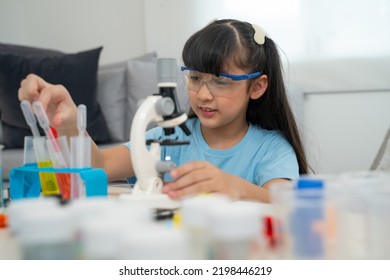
(301, 210)
(163, 109)
(235, 230)
(80, 152)
(54, 147)
(37, 145)
(48, 234)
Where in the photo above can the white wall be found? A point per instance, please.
(169, 23)
(74, 25)
(346, 110)
(344, 130)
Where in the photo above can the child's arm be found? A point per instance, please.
(203, 177)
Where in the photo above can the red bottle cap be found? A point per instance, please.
(3, 220)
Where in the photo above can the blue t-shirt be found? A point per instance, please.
(260, 156)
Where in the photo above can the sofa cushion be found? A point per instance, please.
(142, 82)
(76, 71)
(26, 50)
(112, 92)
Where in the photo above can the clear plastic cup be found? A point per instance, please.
(354, 200)
(301, 221)
(378, 241)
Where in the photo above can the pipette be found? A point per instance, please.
(29, 117)
(81, 151)
(55, 153)
(81, 126)
(45, 124)
(48, 181)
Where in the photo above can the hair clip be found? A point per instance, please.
(259, 35)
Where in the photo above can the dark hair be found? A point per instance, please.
(232, 40)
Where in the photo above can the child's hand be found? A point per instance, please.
(200, 177)
(60, 108)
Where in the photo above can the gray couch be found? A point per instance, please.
(120, 86)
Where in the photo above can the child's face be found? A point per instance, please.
(218, 101)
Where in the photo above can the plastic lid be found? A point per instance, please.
(309, 183)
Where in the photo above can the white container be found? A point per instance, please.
(155, 242)
(103, 234)
(18, 208)
(196, 213)
(101, 238)
(235, 229)
(48, 235)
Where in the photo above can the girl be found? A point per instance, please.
(244, 136)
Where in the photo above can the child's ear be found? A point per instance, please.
(258, 87)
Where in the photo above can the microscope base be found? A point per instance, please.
(152, 201)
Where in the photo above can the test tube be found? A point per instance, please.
(49, 184)
(80, 153)
(54, 148)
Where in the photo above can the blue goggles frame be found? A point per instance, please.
(230, 76)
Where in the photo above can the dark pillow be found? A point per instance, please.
(77, 72)
(26, 50)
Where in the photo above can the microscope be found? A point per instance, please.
(162, 109)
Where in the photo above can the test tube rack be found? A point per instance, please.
(24, 180)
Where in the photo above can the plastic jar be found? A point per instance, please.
(48, 235)
(234, 230)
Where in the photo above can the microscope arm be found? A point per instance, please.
(144, 161)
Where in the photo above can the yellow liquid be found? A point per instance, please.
(49, 182)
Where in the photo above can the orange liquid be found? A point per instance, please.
(64, 183)
(49, 184)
